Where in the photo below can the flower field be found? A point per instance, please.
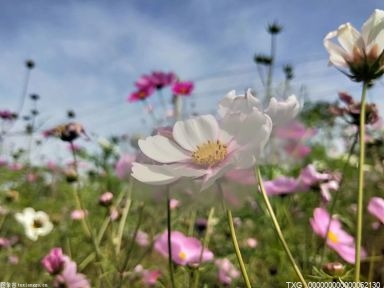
(265, 190)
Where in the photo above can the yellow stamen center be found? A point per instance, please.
(209, 154)
(333, 237)
(182, 255)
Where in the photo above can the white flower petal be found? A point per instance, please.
(152, 174)
(372, 28)
(162, 149)
(337, 54)
(195, 131)
(282, 112)
(239, 104)
(164, 174)
(349, 38)
(226, 103)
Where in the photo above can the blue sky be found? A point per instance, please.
(89, 53)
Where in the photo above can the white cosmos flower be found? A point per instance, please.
(201, 147)
(361, 52)
(36, 223)
(280, 112)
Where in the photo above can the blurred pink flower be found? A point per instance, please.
(309, 176)
(13, 259)
(140, 95)
(294, 130)
(53, 263)
(148, 277)
(251, 242)
(31, 177)
(325, 189)
(281, 185)
(124, 165)
(7, 115)
(3, 162)
(69, 276)
(174, 203)
(78, 214)
(15, 166)
(142, 238)
(376, 208)
(227, 271)
(4, 242)
(144, 83)
(183, 88)
(161, 79)
(106, 198)
(185, 250)
(114, 214)
(296, 149)
(337, 238)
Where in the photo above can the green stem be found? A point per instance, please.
(278, 229)
(127, 206)
(170, 264)
(237, 249)
(234, 239)
(208, 233)
(359, 214)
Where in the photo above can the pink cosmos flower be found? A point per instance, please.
(53, 263)
(124, 165)
(325, 189)
(201, 147)
(309, 176)
(148, 277)
(376, 208)
(281, 185)
(183, 88)
(227, 271)
(140, 95)
(337, 238)
(69, 276)
(185, 250)
(144, 83)
(161, 79)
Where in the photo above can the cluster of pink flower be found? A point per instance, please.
(157, 80)
(186, 251)
(64, 270)
(309, 178)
